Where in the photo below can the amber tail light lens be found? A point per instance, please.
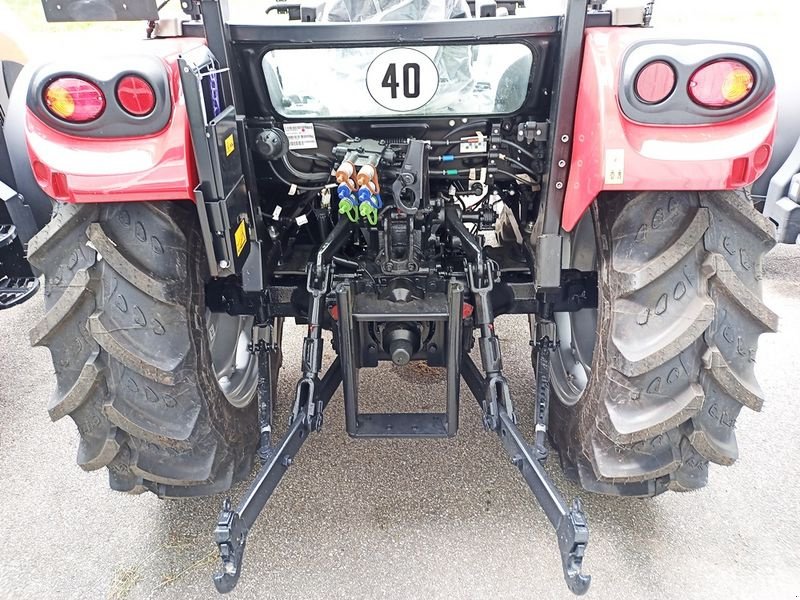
(721, 84)
(74, 100)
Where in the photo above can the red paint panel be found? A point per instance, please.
(153, 167)
(717, 156)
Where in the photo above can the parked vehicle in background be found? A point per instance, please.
(17, 282)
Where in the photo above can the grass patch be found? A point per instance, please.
(206, 561)
(124, 581)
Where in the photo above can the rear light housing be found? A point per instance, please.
(687, 82)
(655, 82)
(721, 84)
(135, 95)
(74, 100)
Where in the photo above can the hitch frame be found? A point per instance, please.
(488, 385)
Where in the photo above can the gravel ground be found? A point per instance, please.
(401, 519)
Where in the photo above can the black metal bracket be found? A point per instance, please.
(268, 354)
(494, 397)
(225, 209)
(416, 425)
(311, 397)
(217, 34)
(531, 131)
(562, 118)
(233, 526)
(572, 530)
(542, 346)
(411, 184)
(569, 522)
(306, 396)
(495, 386)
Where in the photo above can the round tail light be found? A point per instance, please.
(721, 84)
(655, 82)
(136, 96)
(74, 100)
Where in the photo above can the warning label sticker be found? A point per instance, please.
(240, 237)
(615, 166)
(301, 135)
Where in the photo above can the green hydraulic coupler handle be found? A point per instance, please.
(369, 212)
(347, 207)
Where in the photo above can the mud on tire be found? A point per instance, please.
(679, 319)
(125, 325)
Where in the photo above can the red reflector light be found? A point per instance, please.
(74, 100)
(721, 84)
(136, 96)
(655, 82)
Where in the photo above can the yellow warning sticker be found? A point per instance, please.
(240, 237)
(229, 147)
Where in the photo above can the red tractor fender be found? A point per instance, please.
(613, 153)
(158, 166)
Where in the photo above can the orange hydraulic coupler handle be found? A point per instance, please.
(346, 173)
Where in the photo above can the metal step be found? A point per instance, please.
(404, 425)
(8, 233)
(15, 290)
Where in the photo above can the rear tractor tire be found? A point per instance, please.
(650, 385)
(136, 353)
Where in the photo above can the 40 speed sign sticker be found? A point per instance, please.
(402, 79)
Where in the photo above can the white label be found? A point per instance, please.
(301, 135)
(473, 144)
(276, 213)
(615, 166)
(301, 220)
(402, 79)
(6, 193)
